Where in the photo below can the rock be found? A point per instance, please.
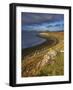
(45, 60)
(46, 57)
(62, 51)
(52, 53)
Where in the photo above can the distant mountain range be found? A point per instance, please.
(43, 31)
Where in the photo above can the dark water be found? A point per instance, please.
(30, 38)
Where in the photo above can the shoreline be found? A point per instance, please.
(46, 59)
(48, 43)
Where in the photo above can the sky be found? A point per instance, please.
(42, 21)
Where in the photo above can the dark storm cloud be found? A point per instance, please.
(36, 18)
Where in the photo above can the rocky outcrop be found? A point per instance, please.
(52, 53)
(47, 59)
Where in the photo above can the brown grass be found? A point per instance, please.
(32, 56)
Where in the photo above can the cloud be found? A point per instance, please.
(36, 18)
(45, 26)
(39, 21)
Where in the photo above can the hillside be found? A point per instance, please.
(46, 59)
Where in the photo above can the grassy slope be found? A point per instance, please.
(55, 68)
(32, 56)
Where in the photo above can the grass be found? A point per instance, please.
(32, 57)
(56, 68)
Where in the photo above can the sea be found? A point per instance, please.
(30, 39)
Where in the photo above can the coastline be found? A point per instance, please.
(31, 57)
(47, 44)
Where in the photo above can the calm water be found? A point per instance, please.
(30, 38)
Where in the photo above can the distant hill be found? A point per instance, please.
(42, 31)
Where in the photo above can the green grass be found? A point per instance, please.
(57, 68)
